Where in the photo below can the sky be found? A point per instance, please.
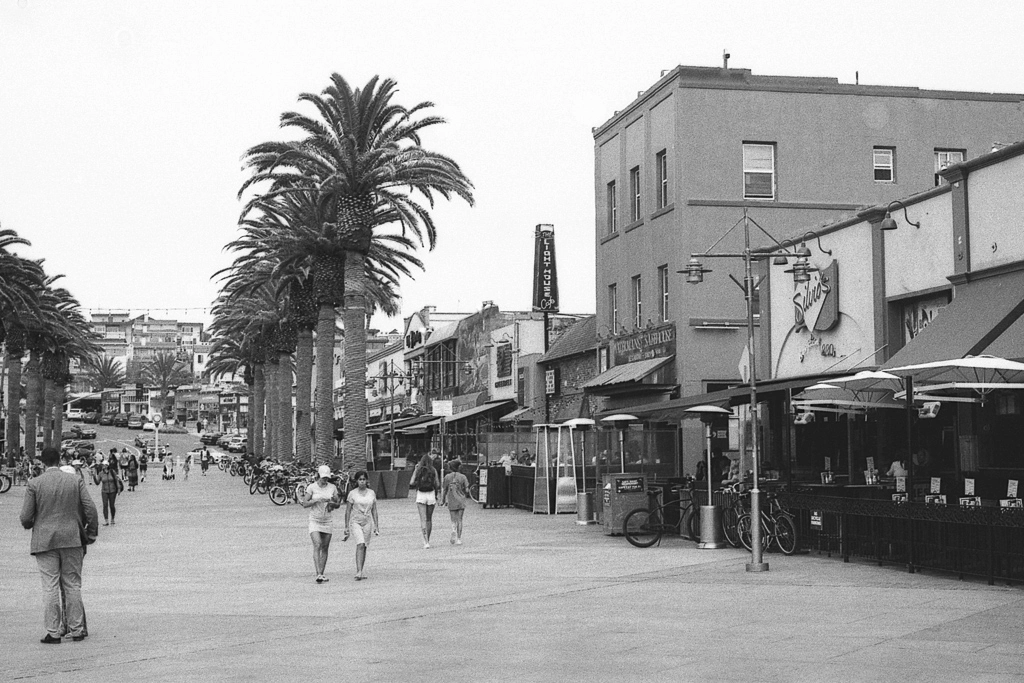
(122, 124)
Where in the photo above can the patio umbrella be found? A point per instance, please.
(620, 420)
(581, 423)
(981, 374)
(868, 382)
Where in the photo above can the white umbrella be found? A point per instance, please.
(981, 374)
(869, 381)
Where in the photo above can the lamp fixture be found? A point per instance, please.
(889, 224)
(694, 271)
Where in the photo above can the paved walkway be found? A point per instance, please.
(201, 581)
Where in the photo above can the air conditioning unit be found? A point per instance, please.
(929, 410)
(803, 418)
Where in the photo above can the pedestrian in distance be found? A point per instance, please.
(186, 466)
(454, 492)
(321, 498)
(112, 462)
(62, 516)
(133, 472)
(361, 519)
(110, 485)
(427, 482)
(204, 460)
(143, 466)
(168, 467)
(123, 464)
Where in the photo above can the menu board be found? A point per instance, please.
(828, 464)
(934, 499)
(871, 463)
(970, 501)
(936, 484)
(901, 484)
(1011, 489)
(968, 487)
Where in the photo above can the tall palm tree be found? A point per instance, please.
(233, 356)
(107, 372)
(165, 372)
(363, 160)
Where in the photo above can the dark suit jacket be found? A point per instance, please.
(55, 503)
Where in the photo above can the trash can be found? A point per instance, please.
(585, 508)
(621, 494)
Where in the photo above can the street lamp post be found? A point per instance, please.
(801, 271)
(392, 379)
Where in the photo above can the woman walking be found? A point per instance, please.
(123, 464)
(186, 466)
(133, 472)
(321, 498)
(168, 467)
(110, 485)
(143, 466)
(361, 519)
(454, 491)
(425, 480)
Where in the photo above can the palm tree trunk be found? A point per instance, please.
(303, 391)
(354, 321)
(33, 381)
(13, 398)
(59, 395)
(250, 423)
(258, 395)
(48, 397)
(326, 323)
(270, 403)
(285, 412)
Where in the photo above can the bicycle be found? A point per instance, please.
(644, 527)
(731, 515)
(6, 482)
(777, 526)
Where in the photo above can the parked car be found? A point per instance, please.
(91, 417)
(223, 440)
(120, 420)
(67, 435)
(149, 427)
(107, 419)
(209, 438)
(74, 414)
(141, 440)
(83, 432)
(78, 449)
(237, 445)
(134, 422)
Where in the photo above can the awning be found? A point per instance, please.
(422, 427)
(482, 410)
(626, 373)
(671, 411)
(976, 318)
(518, 415)
(385, 427)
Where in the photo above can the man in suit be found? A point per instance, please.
(62, 516)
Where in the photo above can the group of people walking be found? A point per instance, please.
(322, 497)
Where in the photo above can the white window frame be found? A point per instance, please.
(944, 158)
(638, 302)
(880, 164)
(663, 280)
(751, 167)
(635, 188)
(613, 207)
(661, 168)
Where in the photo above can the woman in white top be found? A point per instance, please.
(321, 498)
(361, 519)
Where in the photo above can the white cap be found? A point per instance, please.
(323, 471)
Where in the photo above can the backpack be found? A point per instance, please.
(425, 479)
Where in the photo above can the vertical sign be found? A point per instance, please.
(545, 275)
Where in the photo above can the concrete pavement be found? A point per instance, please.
(201, 581)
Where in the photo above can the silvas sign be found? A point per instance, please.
(816, 303)
(657, 342)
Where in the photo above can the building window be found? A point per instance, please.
(663, 299)
(613, 208)
(613, 308)
(884, 161)
(944, 158)
(634, 189)
(759, 170)
(638, 318)
(661, 166)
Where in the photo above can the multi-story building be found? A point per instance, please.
(677, 169)
(132, 342)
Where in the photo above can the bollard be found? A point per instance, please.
(585, 508)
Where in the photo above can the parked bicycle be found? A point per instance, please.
(777, 526)
(644, 527)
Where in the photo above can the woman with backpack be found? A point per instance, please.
(425, 480)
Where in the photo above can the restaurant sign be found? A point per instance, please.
(545, 275)
(816, 303)
(656, 342)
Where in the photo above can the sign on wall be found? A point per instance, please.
(545, 275)
(551, 381)
(816, 302)
(657, 342)
(918, 314)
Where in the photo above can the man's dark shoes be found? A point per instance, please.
(50, 640)
(78, 639)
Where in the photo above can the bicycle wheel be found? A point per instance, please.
(222, 465)
(743, 530)
(278, 496)
(641, 528)
(729, 519)
(691, 523)
(262, 485)
(786, 534)
(253, 485)
(5, 483)
(247, 477)
(233, 470)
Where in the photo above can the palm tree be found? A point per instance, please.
(231, 356)
(165, 372)
(107, 372)
(363, 161)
